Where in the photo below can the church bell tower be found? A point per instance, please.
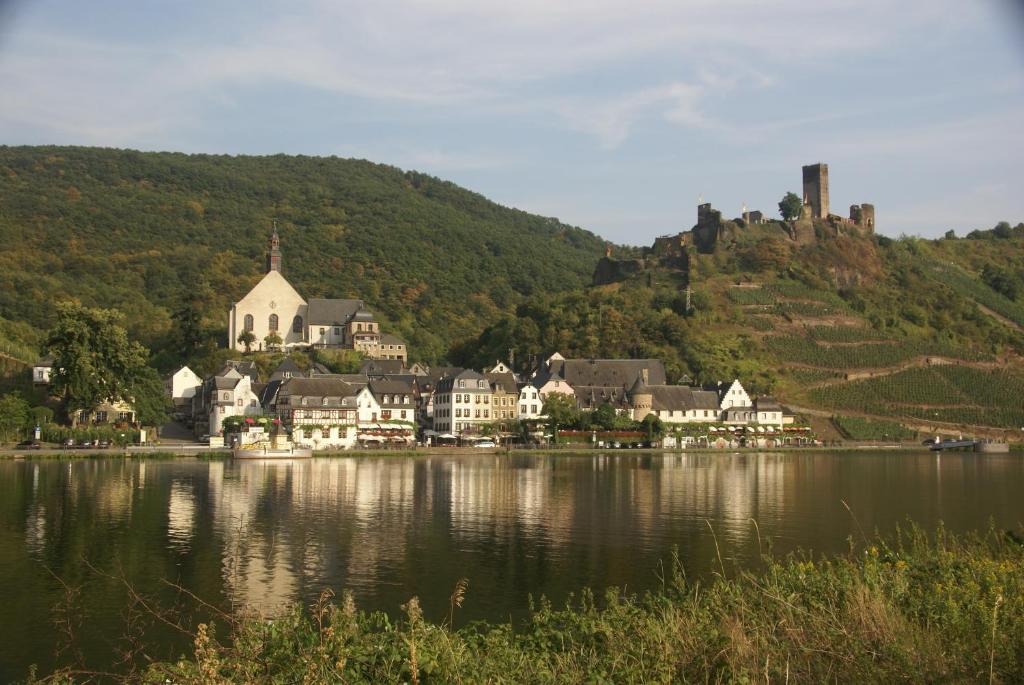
(274, 255)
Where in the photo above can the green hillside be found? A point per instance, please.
(147, 232)
(866, 328)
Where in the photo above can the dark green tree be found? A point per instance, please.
(14, 415)
(653, 427)
(790, 205)
(94, 361)
(604, 417)
(560, 410)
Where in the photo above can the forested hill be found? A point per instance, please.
(147, 232)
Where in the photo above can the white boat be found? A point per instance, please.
(271, 452)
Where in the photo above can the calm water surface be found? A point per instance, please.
(260, 534)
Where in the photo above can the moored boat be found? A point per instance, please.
(267, 452)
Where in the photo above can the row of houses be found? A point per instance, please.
(388, 402)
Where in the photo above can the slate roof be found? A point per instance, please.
(269, 395)
(331, 312)
(388, 339)
(225, 382)
(448, 383)
(593, 396)
(335, 389)
(681, 398)
(286, 369)
(379, 367)
(767, 404)
(608, 372)
(382, 387)
(503, 381)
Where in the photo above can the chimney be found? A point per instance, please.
(644, 376)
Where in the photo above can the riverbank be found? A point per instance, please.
(918, 608)
(170, 451)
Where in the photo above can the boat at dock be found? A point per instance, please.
(252, 452)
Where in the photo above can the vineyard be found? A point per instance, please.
(951, 394)
(801, 350)
(857, 428)
(846, 334)
(964, 284)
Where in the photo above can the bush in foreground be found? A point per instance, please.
(916, 609)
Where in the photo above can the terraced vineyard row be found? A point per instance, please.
(951, 394)
(846, 334)
(858, 428)
(970, 287)
(802, 350)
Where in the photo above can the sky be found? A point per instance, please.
(611, 115)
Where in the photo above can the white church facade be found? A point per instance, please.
(274, 307)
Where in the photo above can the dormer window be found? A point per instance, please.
(325, 402)
(227, 396)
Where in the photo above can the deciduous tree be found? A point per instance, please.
(790, 205)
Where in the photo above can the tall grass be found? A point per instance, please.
(918, 608)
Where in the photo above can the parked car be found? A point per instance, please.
(485, 443)
(29, 445)
(103, 444)
(205, 439)
(69, 443)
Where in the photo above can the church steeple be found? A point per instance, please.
(274, 256)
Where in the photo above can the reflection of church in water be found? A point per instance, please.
(274, 307)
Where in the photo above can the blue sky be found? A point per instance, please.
(608, 114)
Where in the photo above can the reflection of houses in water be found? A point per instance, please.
(181, 515)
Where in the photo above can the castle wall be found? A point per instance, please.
(816, 189)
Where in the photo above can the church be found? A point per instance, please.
(273, 306)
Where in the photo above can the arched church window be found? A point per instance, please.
(273, 322)
(297, 324)
(248, 322)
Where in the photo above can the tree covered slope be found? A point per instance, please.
(144, 232)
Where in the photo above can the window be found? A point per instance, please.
(403, 413)
(359, 327)
(248, 323)
(272, 324)
(533, 408)
(322, 331)
(324, 402)
(297, 324)
(240, 403)
(124, 416)
(101, 417)
(385, 414)
(522, 408)
(337, 331)
(462, 384)
(226, 396)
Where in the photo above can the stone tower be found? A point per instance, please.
(274, 255)
(816, 189)
(641, 397)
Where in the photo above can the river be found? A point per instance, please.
(76, 534)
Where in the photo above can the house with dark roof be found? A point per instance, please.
(382, 367)
(321, 413)
(392, 347)
(504, 397)
(462, 404)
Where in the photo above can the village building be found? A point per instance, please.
(41, 371)
(531, 404)
(182, 387)
(320, 413)
(504, 398)
(229, 393)
(273, 308)
(462, 404)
